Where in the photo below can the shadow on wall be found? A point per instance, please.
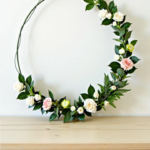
(140, 79)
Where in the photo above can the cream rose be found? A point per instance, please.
(121, 51)
(116, 57)
(18, 87)
(109, 15)
(90, 105)
(127, 64)
(30, 101)
(106, 103)
(72, 108)
(113, 88)
(80, 110)
(38, 97)
(114, 23)
(96, 95)
(118, 16)
(103, 13)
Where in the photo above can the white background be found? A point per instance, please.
(66, 49)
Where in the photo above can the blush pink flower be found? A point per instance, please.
(127, 64)
(47, 104)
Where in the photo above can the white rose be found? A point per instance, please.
(121, 51)
(80, 110)
(113, 88)
(38, 97)
(106, 103)
(90, 105)
(72, 108)
(96, 95)
(114, 23)
(116, 57)
(103, 13)
(109, 15)
(118, 16)
(18, 87)
(30, 101)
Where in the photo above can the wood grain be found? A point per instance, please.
(104, 133)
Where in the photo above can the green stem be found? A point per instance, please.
(19, 38)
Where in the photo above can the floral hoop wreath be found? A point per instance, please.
(93, 100)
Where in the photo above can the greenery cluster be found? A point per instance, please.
(118, 74)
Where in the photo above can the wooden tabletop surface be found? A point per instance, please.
(101, 133)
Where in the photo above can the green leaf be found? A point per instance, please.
(87, 113)
(89, 1)
(52, 117)
(113, 75)
(114, 10)
(56, 111)
(134, 42)
(32, 83)
(73, 118)
(75, 104)
(80, 101)
(117, 48)
(85, 96)
(27, 86)
(119, 83)
(21, 78)
(117, 33)
(73, 112)
(107, 21)
(91, 91)
(29, 80)
(67, 117)
(31, 91)
(81, 117)
(122, 32)
(103, 4)
(61, 100)
(89, 6)
(99, 108)
(120, 72)
(132, 70)
(38, 106)
(128, 35)
(42, 111)
(111, 5)
(115, 28)
(126, 25)
(23, 95)
(51, 95)
(114, 66)
(134, 59)
(119, 41)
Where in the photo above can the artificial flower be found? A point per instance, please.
(38, 97)
(30, 101)
(96, 95)
(90, 105)
(118, 16)
(80, 110)
(73, 108)
(18, 87)
(106, 103)
(103, 13)
(47, 103)
(121, 51)
(130, 47)
(127, 64)
(65, 103)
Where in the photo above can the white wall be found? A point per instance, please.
(66, 49)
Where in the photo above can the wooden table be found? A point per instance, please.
(101, 133)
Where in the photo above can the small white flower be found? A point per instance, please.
(80, 110)
(90, 105)
(121, 51)
(116, 57)
(96, 95)
(60, 111)
(113, 88)
(38, 97)
(30, 101)
(18, 87)
(106, 103)
(109, 15)
(73, 108)
(114, 23)
(118, 16)
(95, 1)
(103, 13)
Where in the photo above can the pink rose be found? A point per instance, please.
(47, 104)
(127, 64)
